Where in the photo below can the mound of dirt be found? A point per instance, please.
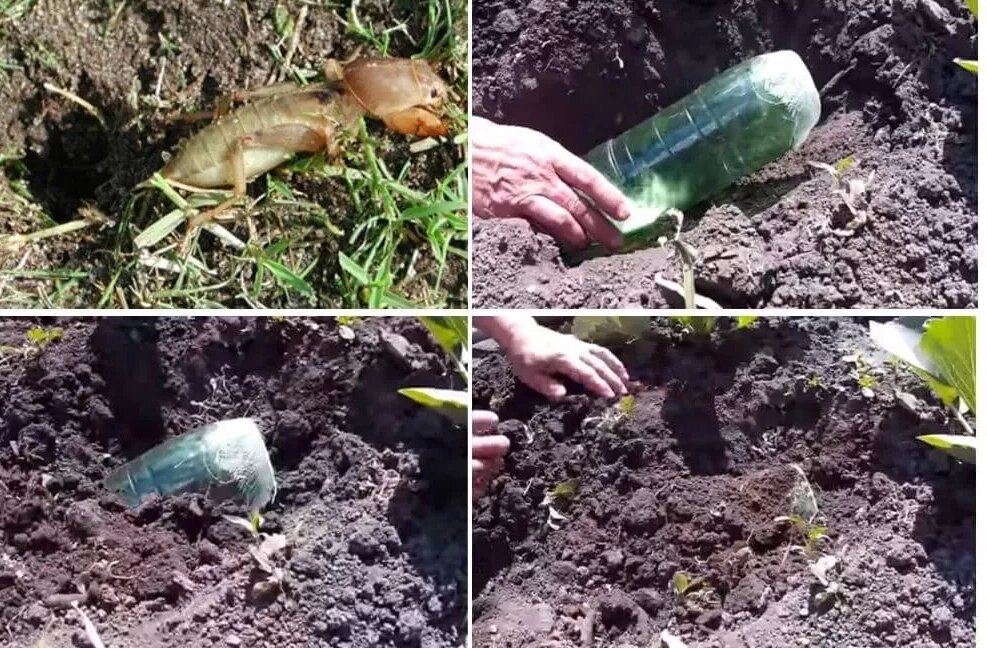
(892, 98)
(371, 493)
(690, 483)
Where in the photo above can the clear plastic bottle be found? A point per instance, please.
(728, 128)
(226, 459)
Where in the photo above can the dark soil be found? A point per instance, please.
(371, 488)
(892, 98)
(141, 67)
(692, 481)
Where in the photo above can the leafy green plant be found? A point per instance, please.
(943, 354)
(684, 583)
(612, 415)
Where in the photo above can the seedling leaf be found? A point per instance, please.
(844, 165)
(959, 446)
(42, 337)
(951, 344)
(746, 321)
(450, 403)
(565, 491)
(626, 405)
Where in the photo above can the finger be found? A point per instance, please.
(554, 220)
(596, 226)
(581, 175)
(604, 371)
(484, 421)
(490, 447)
(612, 361)
(581, 372)
(544, 384)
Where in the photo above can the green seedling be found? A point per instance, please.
(815, 381)
(349, 320)
(37, 339)
(251, 524)
(803, 516)
(745, 321)
(943, 354)
(559, 497)
(853, 191)
(42, 337)
(612, 416)
(683, 584)
(864, 372)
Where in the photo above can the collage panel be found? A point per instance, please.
(731, 153)
(753, 482)
(198, 482)
(190, 155)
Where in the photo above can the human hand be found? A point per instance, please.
(538, 354)
(521, 173)
(488, 451)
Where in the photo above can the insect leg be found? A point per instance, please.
(415, 121)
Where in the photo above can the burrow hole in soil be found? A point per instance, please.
(67, 173)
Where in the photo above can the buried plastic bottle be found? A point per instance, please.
(226, 460)
(731, 126)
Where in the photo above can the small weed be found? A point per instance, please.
(42, 337)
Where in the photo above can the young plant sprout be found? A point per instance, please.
(803, 513)
(864, 372)
(559, 496)
(612, 416)
(853, 191)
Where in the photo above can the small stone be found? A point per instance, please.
(233, 640)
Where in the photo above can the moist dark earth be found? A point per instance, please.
(142, 64)
(371, 488)
(892, 98)
(692, 481)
